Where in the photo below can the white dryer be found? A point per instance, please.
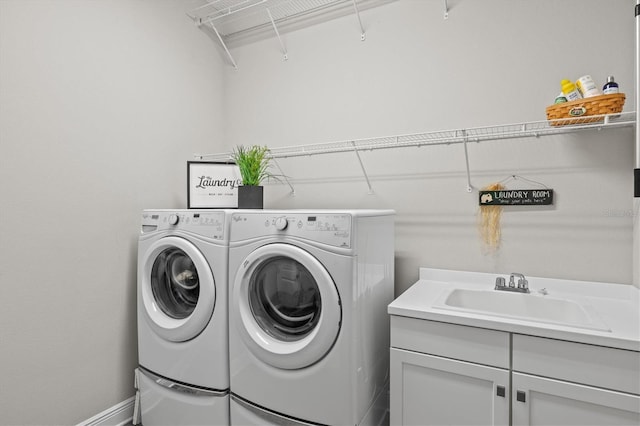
(308, 328)
(183, 374)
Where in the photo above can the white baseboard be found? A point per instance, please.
(119, 415)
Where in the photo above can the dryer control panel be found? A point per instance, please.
(328, 228)
(206, 223)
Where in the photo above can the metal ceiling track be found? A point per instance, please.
(534, 129)
(233, 20)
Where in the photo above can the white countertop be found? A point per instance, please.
(617, 305)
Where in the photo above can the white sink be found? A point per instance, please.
(528, 307)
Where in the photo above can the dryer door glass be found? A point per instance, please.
(284, 298)
(285, 306)
(174, 283)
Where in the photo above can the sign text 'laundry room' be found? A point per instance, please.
(517, 197)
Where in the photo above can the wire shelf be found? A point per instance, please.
(234, 19)
(450, 137)
(447, 137)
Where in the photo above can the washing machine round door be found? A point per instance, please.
(178, 289)
(286, 306)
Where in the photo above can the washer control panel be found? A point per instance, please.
(328, 228)
(210, 224)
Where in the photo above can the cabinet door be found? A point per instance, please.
(430, 390)
(541, 401)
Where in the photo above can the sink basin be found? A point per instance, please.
(528, 307)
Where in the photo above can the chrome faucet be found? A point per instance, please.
(522, 286)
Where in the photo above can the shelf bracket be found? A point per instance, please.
(364, 171)
(293, 191)
(466, 158)
(224, 46)
(362, 34)
(275, 28)
(446, 10)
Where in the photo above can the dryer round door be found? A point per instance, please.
(178, 289)
(286, 306)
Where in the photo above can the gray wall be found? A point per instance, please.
(101, 104)
(491, 62)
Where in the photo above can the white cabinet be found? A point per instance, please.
(429, 390)
(448, 374)
(452, 374)
(542, 401)
(555, 382)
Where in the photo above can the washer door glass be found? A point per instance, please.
(174, 283)
(285, 306)
(177, 288)
(284, 298)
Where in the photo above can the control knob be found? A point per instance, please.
(173, 219)
(281, 223)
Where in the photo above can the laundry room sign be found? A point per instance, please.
(517, 197)
(212, 185)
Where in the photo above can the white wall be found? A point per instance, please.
(491, 62)
(101, 104)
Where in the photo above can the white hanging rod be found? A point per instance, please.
(364, 171)
(224, 45)
(275, 29)
(449, 137)
(466, 161)
(362, 34)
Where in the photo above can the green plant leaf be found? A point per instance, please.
(253, 163)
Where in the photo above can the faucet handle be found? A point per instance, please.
(523, 283)
(500, 283)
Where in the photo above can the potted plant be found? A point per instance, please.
(253, 163)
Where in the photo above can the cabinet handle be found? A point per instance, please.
(521, 396)
(501, 391)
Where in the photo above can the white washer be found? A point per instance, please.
(183, 378)
(308, 328)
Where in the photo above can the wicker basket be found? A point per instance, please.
(579, 111)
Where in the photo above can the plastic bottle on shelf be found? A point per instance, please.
(587, 87)
(561, 98)
(570, 90)
(610, 87)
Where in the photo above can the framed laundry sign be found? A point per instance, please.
(212, 185)
(516, 197)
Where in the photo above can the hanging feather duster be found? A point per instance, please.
(489, 222)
